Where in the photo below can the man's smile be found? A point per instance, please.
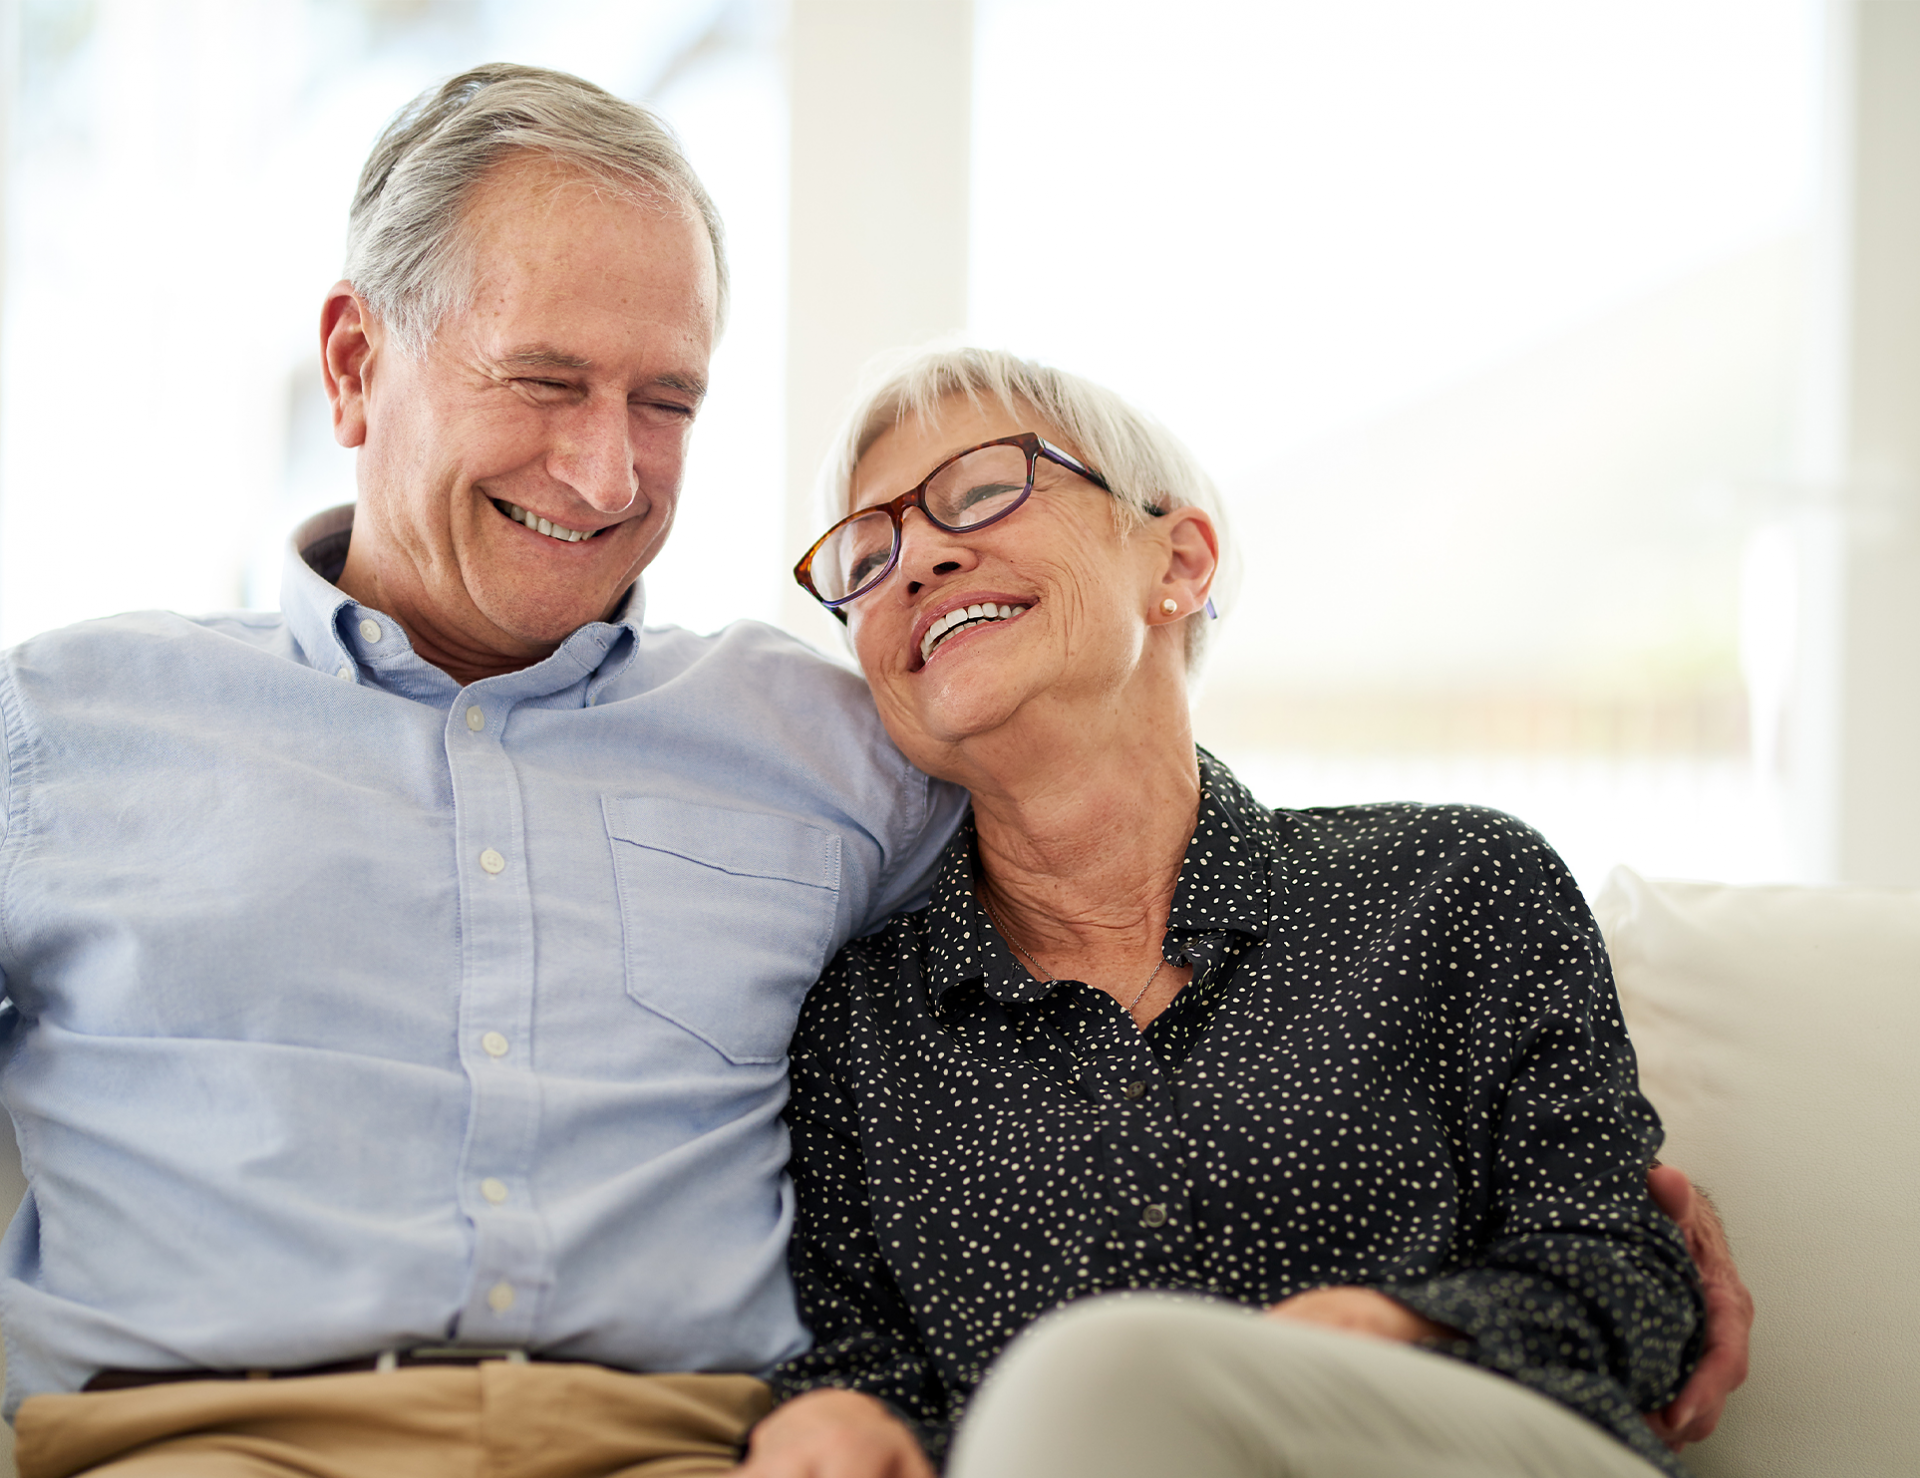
(541, 525)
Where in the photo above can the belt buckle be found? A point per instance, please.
(389, 1360)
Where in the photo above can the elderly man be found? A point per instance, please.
(406, 977)
(401, 983)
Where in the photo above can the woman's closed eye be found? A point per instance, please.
(866, 566)
(970, 504)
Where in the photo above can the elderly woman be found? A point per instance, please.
(1351, 1082)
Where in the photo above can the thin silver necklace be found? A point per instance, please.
(1051, 978)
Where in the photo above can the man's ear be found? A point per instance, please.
(1192, 560)
(349, 334)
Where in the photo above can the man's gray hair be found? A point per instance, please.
(1146, 465)
(407, 237)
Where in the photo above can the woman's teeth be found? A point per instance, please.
(963, 616)
(541, 526)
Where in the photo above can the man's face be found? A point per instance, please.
(565, 393)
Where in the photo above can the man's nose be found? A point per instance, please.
(593, 455)
(928, 551)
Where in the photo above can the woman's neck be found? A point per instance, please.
(1082, 832)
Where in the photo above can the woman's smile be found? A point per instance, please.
(963, 616)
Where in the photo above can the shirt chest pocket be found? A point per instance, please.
(727, 917)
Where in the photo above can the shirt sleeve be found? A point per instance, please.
(1577, 1284)
(10, 745)
(913, 865)
(864, 1337)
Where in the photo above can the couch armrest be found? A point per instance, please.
(1778, 1032)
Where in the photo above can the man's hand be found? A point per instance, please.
(1696, 1410)
(833, 1434)
(1360, 1311)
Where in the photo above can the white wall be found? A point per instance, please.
(1842, 724)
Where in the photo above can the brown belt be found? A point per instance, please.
(123, 1380)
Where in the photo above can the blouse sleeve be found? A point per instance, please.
(864, 1339)
(1576, 1283)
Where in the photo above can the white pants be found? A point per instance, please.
(1169, 1387)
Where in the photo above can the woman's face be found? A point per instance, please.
(1068, 596)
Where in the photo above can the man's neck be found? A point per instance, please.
(437, 642)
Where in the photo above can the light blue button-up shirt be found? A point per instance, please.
(358, 1009)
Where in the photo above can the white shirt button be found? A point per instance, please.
(500, 1297)
(495, 1044)
(493, 862)
(476, 720)
(346, 672)
(494, 1190)
(1154, 1216)
(370, 629)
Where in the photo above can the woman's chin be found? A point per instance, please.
(947, 721)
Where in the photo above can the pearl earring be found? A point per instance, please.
(1170, 606)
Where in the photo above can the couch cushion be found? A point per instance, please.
(1778, 1031)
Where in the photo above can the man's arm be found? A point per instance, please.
(1695, 1412)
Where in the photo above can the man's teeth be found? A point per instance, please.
(541, 526)
(963, 616)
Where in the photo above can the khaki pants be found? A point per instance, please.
(1152, 1387)
(495, 1420)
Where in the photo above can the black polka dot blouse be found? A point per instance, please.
(1399, 1064)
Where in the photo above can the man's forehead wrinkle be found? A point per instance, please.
(540, 357)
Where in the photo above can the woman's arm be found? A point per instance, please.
(865, 1340)
(1563, 1273)
(1576, 1276)
(1689, 1417)
(828, 1433)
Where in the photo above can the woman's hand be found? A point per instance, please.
(833, 1434)
(1723, 1365)
(1360, 1311)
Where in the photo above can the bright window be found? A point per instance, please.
(1486, 316)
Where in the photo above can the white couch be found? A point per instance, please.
(1778, 1031)
(1779, 1035)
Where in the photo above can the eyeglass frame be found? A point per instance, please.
(1030, 442)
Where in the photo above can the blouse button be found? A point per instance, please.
(1134, 1091)
(1154, 1216)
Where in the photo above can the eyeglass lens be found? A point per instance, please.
(967, 492)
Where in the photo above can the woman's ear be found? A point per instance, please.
(1192, 559)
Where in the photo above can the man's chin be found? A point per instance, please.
(542, 625)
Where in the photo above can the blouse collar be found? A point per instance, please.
(1225, 887)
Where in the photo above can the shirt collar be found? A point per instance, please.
(1226, 886)
(336, 633)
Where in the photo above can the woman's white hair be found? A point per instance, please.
(407, 244)
(1146, 465)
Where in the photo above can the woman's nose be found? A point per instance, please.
(928, 551)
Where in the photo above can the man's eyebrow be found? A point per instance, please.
(544, 359)
(538, 358)
(686, 384)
